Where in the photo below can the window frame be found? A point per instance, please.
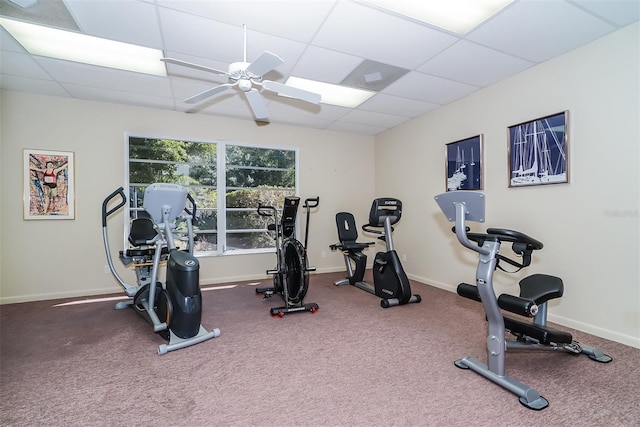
(221, 187)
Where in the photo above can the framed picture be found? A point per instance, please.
(538, 151)
(463, 164)
(48, 185)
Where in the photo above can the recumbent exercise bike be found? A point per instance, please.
(535, 291)
(390, 281)
(173, 308)
(291, 274)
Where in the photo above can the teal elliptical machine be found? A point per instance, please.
(535, 291)
(173, 307)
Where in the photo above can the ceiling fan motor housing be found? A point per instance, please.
(244, 85)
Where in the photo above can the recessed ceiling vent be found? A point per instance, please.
(52, 13)
(375, 76)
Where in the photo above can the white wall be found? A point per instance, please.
(52, 259)
(592, 249)
(589, 226)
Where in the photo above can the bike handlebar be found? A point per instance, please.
(261, 210)
(311, 202)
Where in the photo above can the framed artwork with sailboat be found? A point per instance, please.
(463, 164)
(538, 151)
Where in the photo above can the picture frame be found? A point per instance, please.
(49, 185)
(538, 151)
(464, 164)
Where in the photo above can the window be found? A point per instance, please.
(245, 175)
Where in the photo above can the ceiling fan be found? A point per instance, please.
(245, 75)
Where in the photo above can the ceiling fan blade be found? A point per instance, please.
(256, 102)
(266, 62)
(291, 91)
(192, 65)
(208, 93)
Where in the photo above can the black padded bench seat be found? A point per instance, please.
(544, 335)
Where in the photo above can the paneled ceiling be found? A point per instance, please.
(323, 40)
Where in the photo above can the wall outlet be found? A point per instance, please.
(324, 254)
(404, 257)
(106, 269)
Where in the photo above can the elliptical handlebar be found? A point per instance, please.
(193, 205)
(105, 204)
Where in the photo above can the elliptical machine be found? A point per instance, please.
(173, 308)
(535, 291)
(291, 274)
(390, 281)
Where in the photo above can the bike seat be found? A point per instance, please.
(351, 246)
(541, 288)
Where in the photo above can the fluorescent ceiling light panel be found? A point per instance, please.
(341, 96)
(459, 16)
(71, 46)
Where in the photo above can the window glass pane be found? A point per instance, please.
(249, 240)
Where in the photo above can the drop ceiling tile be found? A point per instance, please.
(105, 78)
(201, 37)
(291, 19)
(369, 33)
(109, 95)
(325, 65)
(24, 84)
(205, 38)
(471, 63)
(539, 30)
(618, 12)
(127, 21)
(372, 118)
(389, 104)
(426, 88)
(21, 64)
(8, 43)
(311, 111)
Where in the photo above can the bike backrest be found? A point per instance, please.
(385, 207)
(347, 231)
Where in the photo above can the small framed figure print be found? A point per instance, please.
(464, 164)
(48, 185)
(538, 151)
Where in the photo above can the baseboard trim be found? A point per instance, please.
(560, 320)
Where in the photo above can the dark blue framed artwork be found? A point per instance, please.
(463, 164)
(538, 151)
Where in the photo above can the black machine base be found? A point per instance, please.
(269, 291)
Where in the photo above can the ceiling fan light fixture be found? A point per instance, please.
(71, 46)
(341, 96)
(458, 16)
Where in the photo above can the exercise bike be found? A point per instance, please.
(173, 308)
(291, 274)
(535, 291)
(390, 281)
